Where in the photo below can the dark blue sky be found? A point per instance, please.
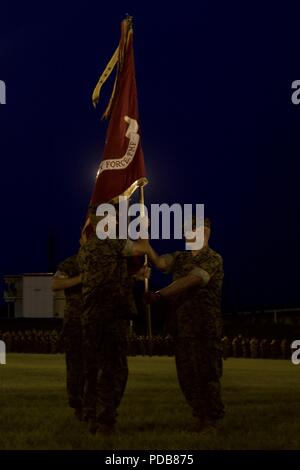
(218, 127)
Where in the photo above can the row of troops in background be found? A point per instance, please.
(50, 342)
(99, 303)
(254, 348)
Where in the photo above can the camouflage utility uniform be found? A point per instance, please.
(108, 303)
(198, 328)
(72, 333)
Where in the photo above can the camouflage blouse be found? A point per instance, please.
(198, 309)
(105, 279)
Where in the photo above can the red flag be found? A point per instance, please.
(122, 169)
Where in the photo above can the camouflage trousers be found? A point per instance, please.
(199, 368)
(106, 369)
(72, 339)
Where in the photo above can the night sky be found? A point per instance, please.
(217, 122)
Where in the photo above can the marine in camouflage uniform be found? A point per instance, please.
(237, 346)
(275, 349)
(246, 347)
(196, 291)
(68, 270)
(225, 347)
(264, 348)
(254, 348)
(108, 304)
(7, 338)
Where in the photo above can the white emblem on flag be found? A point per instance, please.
(122, 163)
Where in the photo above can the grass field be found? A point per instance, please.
(262, 399)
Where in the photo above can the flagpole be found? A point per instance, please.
(146, 281)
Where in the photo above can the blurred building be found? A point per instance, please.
(31, 296)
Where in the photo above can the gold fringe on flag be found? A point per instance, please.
(108, 70)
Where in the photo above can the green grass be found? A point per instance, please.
(261, 396)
